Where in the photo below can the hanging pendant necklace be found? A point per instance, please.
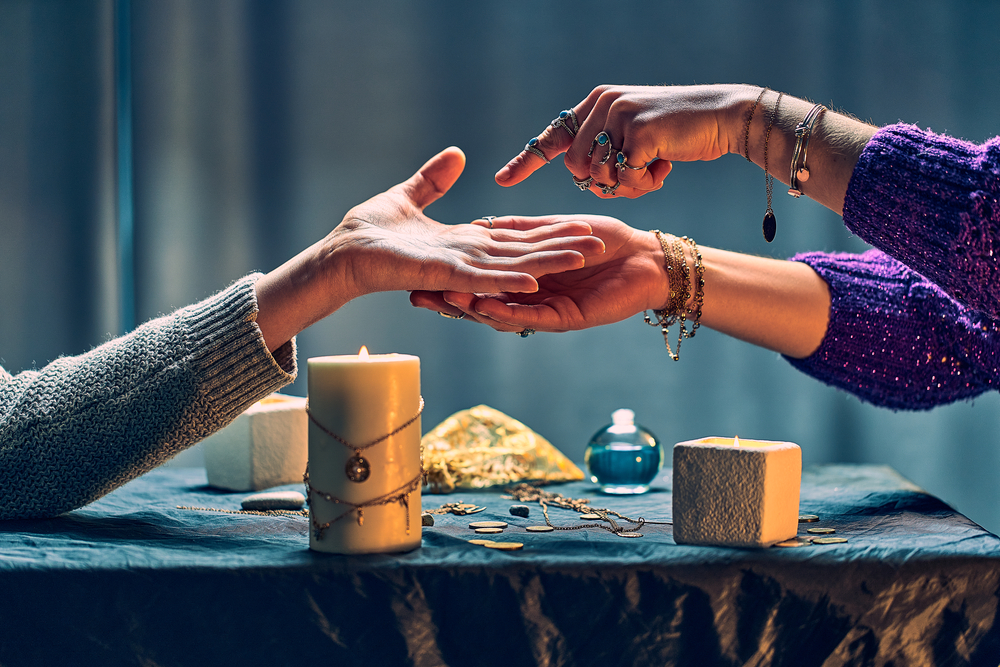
(358, 469)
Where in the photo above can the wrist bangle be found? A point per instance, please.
(803, 131)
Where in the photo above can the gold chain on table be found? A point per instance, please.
(254, 512)
(399, 495)
(527, 493)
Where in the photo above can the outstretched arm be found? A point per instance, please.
(388, 243)
(865, 323)
(82, 426)
(776, 304)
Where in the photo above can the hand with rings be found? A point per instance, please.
(622, 140)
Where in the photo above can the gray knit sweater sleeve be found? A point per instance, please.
(83, 426)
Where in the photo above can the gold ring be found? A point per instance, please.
(452, 317)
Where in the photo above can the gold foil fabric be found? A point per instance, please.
(482, 447)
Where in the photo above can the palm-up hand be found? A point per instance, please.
(628, 278)
(388, 243)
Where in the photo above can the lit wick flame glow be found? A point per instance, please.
(363, 353)
(736, 441)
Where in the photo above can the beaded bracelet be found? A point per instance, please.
(678, 273)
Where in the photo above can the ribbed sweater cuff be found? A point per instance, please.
(931, 202)
(893, 338)
(228, 351)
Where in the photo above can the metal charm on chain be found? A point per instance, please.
(358, 469)
(770, 225)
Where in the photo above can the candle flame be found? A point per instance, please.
(736, 441)
(363, 352)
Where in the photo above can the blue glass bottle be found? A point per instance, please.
(623, 457)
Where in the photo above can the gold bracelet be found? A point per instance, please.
(678, 273)
(803, 131)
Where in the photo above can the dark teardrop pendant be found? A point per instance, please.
(770, 226)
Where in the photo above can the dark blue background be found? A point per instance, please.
(258, 124)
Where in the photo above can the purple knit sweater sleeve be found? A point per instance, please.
(896, 339)
(931, 202)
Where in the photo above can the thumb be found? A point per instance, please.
(435, 178)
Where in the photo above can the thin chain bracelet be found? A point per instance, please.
(678, 274)
(699, 292)
(746, 130)
(677, 310)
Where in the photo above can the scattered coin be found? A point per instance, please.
(504, 546)
(829, 540)
(426, 519)
(808, 518)
(539, 529)
(481, 542)
(821, 531)
(489, 531)
(794, 542)
(487, 524)
(520, 510)
(590, 517)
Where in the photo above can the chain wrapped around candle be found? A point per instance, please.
(364, 452)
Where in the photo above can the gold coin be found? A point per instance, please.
(794, 542)
(629, 534)
(487, 524)
(808, 518)
(489, 531)
(829, 540)
(539, 529)
(504, 546)
(481, 542)
(590, 517)
(821, 531)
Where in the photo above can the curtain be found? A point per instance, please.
(257, 125)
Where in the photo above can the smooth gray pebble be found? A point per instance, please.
(274, 500)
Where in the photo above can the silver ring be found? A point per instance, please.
(532, 147)
(569, 115)
(452, 317)
(622, 163)
(525, 333)
(585, 184)
(602, 139)
(489, 219)
(609, 189)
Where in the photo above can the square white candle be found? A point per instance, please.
(265, 446)
(736, 495)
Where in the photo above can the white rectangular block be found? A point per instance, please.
(265, 446)
(736, 496)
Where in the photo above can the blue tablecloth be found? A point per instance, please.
(132, 580)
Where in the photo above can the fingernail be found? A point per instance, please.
(504, 174)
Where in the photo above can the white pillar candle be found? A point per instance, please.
(361, 398)
(736, 492)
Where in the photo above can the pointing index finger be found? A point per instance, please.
(554, 140)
